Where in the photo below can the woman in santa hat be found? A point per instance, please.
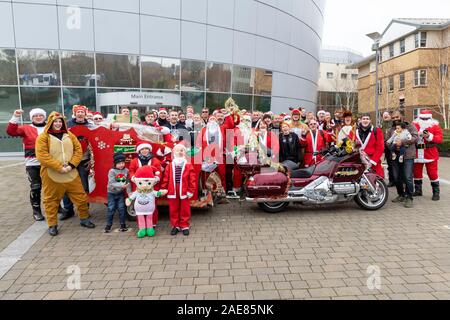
(180, 183)
(430, 136)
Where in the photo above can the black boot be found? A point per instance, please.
(66, 214)
(436, 191)
(418, 188)
(53, 231)
(35, 199)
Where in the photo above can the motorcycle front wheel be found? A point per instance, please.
(273, 207)
(373, 201)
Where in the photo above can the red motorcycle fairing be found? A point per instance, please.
(269, 185)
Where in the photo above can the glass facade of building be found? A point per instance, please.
(54, 54)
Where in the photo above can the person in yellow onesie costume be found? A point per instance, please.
(59, 152)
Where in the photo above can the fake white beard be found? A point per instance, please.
(212, 127)
(178, 161)
(425, 124)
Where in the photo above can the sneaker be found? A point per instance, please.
(400, 159)
(87, 224)
(123, 228)
(186, 232)
(408, 203)
(174, 231)
(108, 229)
(399, 199)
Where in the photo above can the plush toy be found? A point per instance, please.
(144, 198)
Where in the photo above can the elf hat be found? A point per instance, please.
(37, 111)
(144, 145)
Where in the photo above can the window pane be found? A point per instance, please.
(263, 82)
(160, 73)
(38, 67)
(354, 77)
(218, 77)
(243, 79)
(9, 101)
(262, 103)
(192, 75)
(243, 101)
(74, 96)
(78, 69)
(48, 99)
(344, 76)
(8, 73)
(118, 71)
(216, 100)
(329, 75)
(195, 99)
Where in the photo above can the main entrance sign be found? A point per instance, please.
(138, 98)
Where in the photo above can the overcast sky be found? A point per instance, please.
(348, 21)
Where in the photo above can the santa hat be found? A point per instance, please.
(144, 146)
(37, 111)
(426, 114)
(162, 110)
(247, 117)
(89, 112)
(147, 172)
(78, 107)
(321, 113)
(98, 115)
(181, 144)
(287, 118)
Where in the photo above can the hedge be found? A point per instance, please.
(444, 148)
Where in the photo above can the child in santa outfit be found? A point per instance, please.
(179, 182)
(430, 135)
(145, 157)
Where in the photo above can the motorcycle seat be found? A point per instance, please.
(303, 173)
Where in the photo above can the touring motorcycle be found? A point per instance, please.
(341, 176)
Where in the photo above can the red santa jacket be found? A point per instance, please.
(373, 146)
(215, 151)
(314, 143)
(135, 164)
(269, 141)
(28, 133)
(188, 182)
(430, 151)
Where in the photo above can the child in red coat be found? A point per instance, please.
(179, 181)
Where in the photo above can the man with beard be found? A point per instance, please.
(277, 120)
(402, 171)
(29, 134)
(162, 118)
(430, 135)
(243, 133)
(321, 119)
(371, 140)
(212, 141)
(84, 168)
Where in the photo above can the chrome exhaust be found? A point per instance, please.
(287, 199)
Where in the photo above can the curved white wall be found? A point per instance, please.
(280, 35)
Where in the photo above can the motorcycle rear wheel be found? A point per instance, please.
(373, 202)
(273, 207)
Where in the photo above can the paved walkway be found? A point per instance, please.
(236, 252)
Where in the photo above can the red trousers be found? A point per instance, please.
(432, 171)
(237, 177)
(179, 211)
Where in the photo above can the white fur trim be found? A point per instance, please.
(373, 162)
(144, 146)
(36, 111)
(165, 130)
(14, 120)
(431, 137)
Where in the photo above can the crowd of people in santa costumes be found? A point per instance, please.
(211, 142)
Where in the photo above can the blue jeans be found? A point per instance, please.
(116, 201)
(404, 177)
(84, 176)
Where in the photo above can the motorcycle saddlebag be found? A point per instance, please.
(267, 185)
